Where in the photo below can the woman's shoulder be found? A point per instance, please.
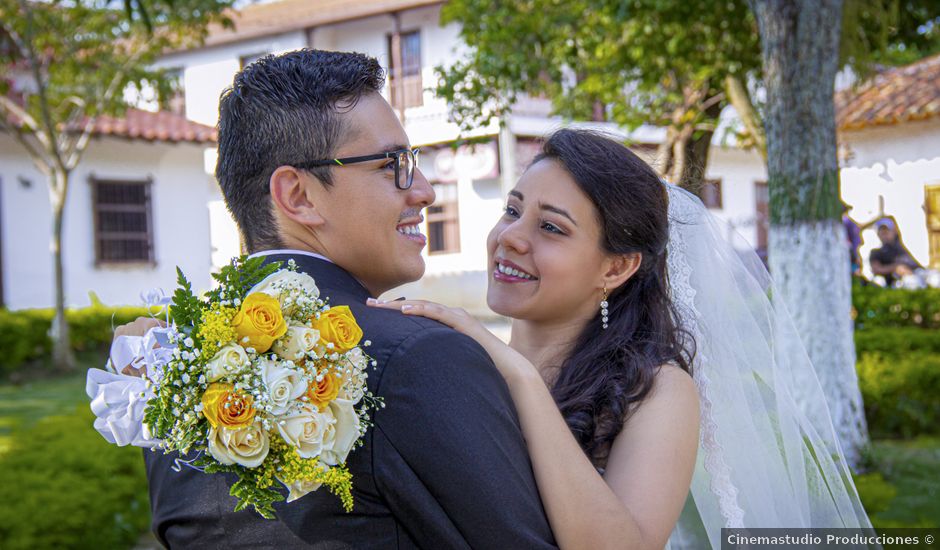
(673, 395)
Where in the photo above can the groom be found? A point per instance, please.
(316, 167)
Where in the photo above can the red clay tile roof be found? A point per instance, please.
(145, 125)
(290, 15)
(895, 95)
(159, 126)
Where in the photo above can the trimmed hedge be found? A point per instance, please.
(878, 307)
(24, 334)
(63, 486)
(901, 393)
(897, 341)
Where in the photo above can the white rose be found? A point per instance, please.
(287, 286)
(284, 385)
(226, 362)
(306, 430)
(345, 432)
(300, 488)
(296, 343)
(246, 446)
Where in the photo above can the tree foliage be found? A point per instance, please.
(65, 62)
(668, 63)
(659, 62)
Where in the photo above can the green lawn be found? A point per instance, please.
(913, 468)
(23, 405)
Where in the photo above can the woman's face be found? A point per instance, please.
(545, 256)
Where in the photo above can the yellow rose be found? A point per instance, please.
(339, 327)
(260, 321)
(322, 392)
(225, 407)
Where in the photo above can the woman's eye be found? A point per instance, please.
(511, 211)
(552, 228)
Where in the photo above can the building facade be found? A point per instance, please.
(136, 209)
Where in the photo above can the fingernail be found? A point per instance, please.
(370, 300)
(406, 307)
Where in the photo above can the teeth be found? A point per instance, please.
(513, 272)
(409, 230)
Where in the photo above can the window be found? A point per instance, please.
(443, 225)
(175, 102)
(932, 208)
(123, 221)
(407, 90)
(711, 193)
(245, 60)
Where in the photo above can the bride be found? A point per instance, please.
(650, 371)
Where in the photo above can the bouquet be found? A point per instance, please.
(263, 379)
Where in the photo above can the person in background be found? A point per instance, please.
(892, 260)
(853, 236)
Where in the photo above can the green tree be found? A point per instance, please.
(668, 63)
(800, 46)
(662, 62)
(804, 43)
(66, 62)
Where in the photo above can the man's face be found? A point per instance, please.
(371, 226)
(886, 234)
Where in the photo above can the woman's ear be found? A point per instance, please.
(293, 196)
(619, 269)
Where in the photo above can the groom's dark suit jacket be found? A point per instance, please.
(444, 466)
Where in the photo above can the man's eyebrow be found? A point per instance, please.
(394, 147)
(559, 211)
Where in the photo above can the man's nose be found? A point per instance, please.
(421, 192)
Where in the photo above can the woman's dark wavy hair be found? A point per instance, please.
(611, 370)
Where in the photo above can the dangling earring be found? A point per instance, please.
(604, 308)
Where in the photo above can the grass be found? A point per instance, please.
(913, 468)
(22, 405)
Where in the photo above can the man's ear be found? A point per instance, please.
(619, 269)
(293, 196)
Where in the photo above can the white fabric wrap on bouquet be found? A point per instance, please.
(118, 400)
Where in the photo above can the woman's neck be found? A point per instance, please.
(545, 344)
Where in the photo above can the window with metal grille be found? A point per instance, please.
(443, 222)
(123, 221)
(409, 92)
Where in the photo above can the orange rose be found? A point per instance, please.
(225, 407)
(339, 327)
(260, 321)
(324, 391)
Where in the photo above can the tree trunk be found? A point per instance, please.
(62, 355)
(808, 257)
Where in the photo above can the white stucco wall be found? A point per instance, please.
(739, 171)
(181, 192)
(894, 163)
(208, 71)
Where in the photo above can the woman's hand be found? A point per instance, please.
(510, 363)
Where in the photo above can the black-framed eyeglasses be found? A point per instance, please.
(406, 160)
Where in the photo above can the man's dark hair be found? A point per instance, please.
(284, 110)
